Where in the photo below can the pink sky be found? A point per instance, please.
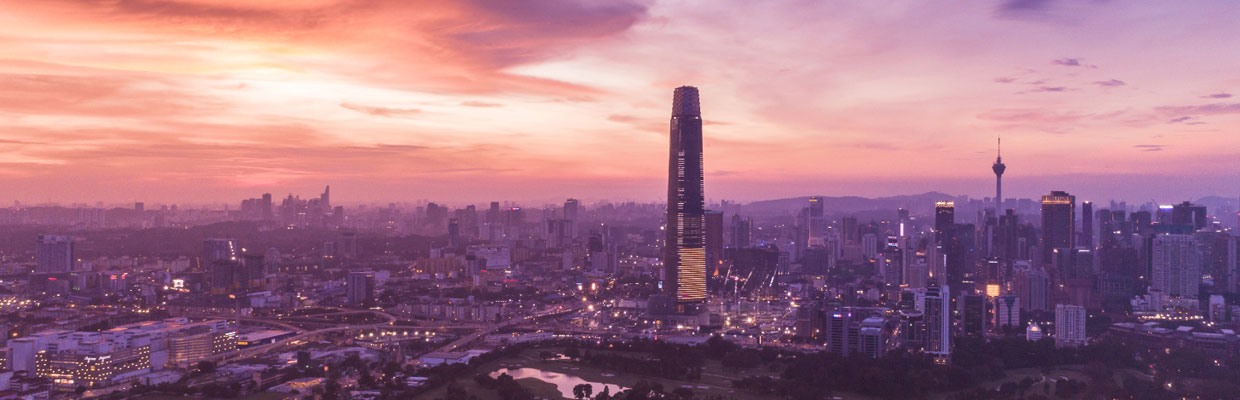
(197, 101)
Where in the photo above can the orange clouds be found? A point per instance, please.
(186, 100)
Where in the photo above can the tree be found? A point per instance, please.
(206, 366)
(583, 391)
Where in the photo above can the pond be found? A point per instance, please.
(564, 383)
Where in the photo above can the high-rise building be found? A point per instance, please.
(54, 254)
(361, 287)
(1058, 222)
(938, 323)
(572, 207)
(214, 250)
(741, 227)
(1175, 266)
(684, 257)
(998, 167)
(944, 215)
(454, 233)
(1032, 285)
(1069, 325)
(1087, 224)
(975, 315)
(1189, 214)
(714, 241)
(1007, 311)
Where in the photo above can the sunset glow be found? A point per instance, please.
(200, 101)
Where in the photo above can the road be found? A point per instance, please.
(464, 340)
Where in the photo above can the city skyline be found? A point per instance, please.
(469, 101)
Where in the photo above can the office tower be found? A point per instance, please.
(714, 241)
(1058, 216)
(684, 257)
(571, 210)
(1141, 221)
(1220, 257)
(1189, 214)
(975, 315)
(944, 215)
(454, 233)
(1007, 245)
(348, 245)
(848, 228)
(1032, 285)
(809, 323)
(902, 216)
(54, 254)
(1087, 224)
(872, 337)
(214, 250)
(361, 287)
(938, 323)
(936, 260)
(741, 227)
(958, 245)
(815, 221)
(1073, 263)
(998, 167)
(838, 334)
(1069, 325)
(325, 200)
(869, 246)
(1007, 311)
(265, 207)
(558, 233)
(1175, 265)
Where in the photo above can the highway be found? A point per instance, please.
(464, 340)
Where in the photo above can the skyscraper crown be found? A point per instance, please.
(685, 102)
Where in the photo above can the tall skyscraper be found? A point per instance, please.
(938, 323)
(1087, 224)
(944, 215)
(740, 231)
(54, 254)
(998, 167)
(714, 241)
(1058, 222)
(571, 210)
(325, 200)
(454, 233)
(684, 257)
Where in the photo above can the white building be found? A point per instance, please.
(1176, 269)
(1033, 333)
(1069, 325)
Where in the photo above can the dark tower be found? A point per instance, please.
(998, 167)
(1058, 223)
(684, 254)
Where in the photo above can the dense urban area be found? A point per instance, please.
(922, 296)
